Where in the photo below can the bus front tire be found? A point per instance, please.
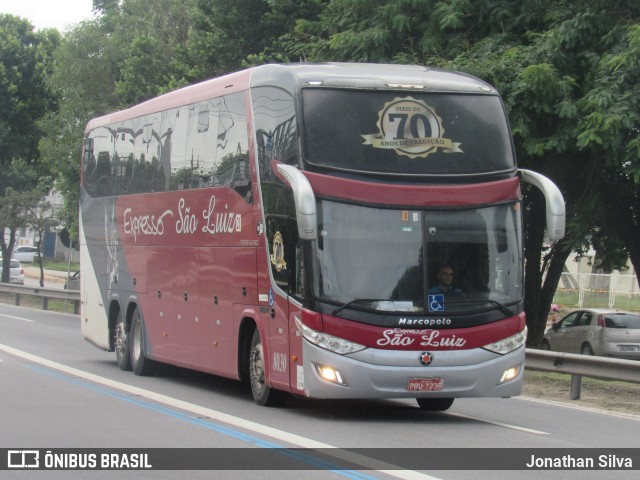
(435, 404)
(263, 394)
(123, 355)
(140, 364)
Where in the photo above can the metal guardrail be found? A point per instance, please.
(44, 292)
(582, 365)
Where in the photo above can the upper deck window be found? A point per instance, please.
(410, 133)
(198, 145)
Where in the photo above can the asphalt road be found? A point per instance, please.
(58, 391)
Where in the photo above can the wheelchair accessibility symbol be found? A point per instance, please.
(436, 302)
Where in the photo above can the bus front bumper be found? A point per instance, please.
(374, 373)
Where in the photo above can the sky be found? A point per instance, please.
(49, 13)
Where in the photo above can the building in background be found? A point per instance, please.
(52, 246)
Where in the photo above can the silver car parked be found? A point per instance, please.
(596, 331)
(16, 272)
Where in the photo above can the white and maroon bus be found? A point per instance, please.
(287, 225)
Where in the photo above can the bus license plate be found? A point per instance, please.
(434, 384)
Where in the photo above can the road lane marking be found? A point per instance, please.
(17, 318)
(499, 424)
(631, 416)
(293, 439)
(204, 423)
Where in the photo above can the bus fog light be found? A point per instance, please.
(510, 373)
(330, 374)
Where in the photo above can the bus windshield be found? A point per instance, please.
(413, 133)
(389, 260)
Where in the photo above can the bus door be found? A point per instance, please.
(157, 305)
(282, 238)
(185, 316)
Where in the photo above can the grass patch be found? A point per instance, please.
(59, 266)
(565, 379)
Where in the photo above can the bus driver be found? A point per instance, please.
(445, 281)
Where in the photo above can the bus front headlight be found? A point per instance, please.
(328, 342)
(509, 344)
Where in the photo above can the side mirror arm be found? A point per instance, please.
(554, 202)
(304, 199)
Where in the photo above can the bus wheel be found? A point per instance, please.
(123, 355)
(435, 404)
(262, 393)
(140, 364)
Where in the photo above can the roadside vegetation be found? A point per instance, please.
(608, 395)
(33, 301)
(36, 301)
(59, 266)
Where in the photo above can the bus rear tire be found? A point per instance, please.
(140, 364)
(435, 404)
(263, 394)
(121, 341)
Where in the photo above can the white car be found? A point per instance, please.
(17, 272)
(26, 253)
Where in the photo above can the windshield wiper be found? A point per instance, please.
(503, 308)
(355, 300)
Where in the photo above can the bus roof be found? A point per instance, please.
(368, 76)
(231, 83)
(293, 76)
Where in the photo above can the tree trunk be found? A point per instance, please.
(7, 251)
(623, 205)
(534, 213)
(557, 260)
(629, 231)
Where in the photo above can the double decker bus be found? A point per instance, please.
(291, 226)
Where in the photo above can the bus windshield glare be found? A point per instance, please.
(354, 131)
(375, 258)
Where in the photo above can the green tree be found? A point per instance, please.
(228, 35)
(84, 80)
(24, 98)
(128, 53)
(225, 33)
(155, 52)
(25, 62)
